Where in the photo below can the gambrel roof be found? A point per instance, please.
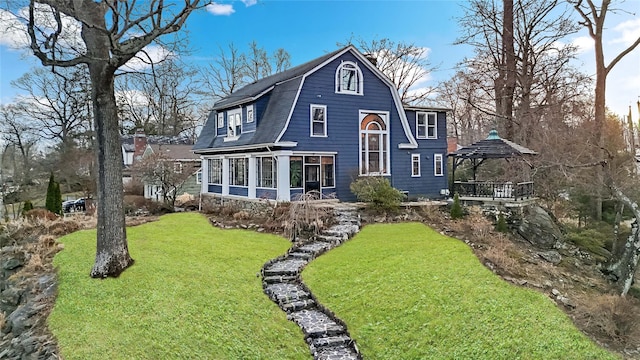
(283, 89)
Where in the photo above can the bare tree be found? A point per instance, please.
(162, 100)
(164, 172)
(59, 103)
(20, 143)
(234, 69)
(518, 60)
(405, 64)
(593, 18)
(103, 36)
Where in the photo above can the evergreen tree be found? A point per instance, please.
(456, 208)
(51, 189)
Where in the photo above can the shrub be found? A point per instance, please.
(43, 214)
(612, 316)
(134, 187)
(456, 208)
(377, 192)
(133, 203)
(27, 206)
(501, 224)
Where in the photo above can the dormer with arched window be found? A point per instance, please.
(349, 78)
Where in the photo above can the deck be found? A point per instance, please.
(494, 191)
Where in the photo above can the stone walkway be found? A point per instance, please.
(326, 335)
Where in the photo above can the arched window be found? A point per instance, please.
(349, 78)
(374, 145)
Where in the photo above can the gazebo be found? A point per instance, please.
(493, 147)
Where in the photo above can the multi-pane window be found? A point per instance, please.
(349, 78)
(215, 171)
(438, 166)
(327, 171)
(374, 145)
(239, 172)
(415, 165)
(426, 126)
(234, 127)
(199, 176)
(267, 175)
(220, 120)
(177, 167)
(250, 113)
(318, 120)
(295, 171)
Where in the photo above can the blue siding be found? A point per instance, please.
(216, 189)
(266, 193)
(342, 119)
(427, 185)
(294, 193)
(239, 191)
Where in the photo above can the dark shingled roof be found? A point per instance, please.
(493, 147)
(282, 88)
(250, 91)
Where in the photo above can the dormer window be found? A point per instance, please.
(249, 113)
(349, 78)
(234, 124)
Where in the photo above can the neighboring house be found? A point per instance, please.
(319, 126)
(181, 158)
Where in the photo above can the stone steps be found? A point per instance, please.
(326, 335)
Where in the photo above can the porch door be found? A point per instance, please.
(311, 173)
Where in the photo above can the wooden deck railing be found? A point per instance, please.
(494, 189)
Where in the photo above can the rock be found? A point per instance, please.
(555, 292)
(13, 262)
(566, 301)
(551, 256)
(539, 228)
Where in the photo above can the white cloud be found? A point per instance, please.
(629, 31)
(13, 33)
(248, 3)
(220, 9)
(583, 44)
(151, 54)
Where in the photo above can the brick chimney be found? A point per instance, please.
(139, 144)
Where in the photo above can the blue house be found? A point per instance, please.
(319, 126)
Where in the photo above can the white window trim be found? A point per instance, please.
(418, 125)
(251, 118)
(246, 172)
(199, 176)
(177, 167)
(359, 80)
(436, 158)
(435, 125)
(311, 120)
(220, 119)
(231, 114)
(415, 157)
(385, 118)
(210, 168)
(274, 172)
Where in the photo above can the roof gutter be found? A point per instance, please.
(284, 144)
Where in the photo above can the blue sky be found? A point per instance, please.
(308, 29)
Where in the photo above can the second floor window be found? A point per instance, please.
(318, 120)
(234, 128)
(426, 125)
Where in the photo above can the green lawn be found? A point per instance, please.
(192, 293)
(407, 292)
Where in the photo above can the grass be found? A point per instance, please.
(192, 293)
(407, 292)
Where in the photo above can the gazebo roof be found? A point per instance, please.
(493, 147)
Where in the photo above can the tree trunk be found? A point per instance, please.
(510, 68)
(112, 253)
(623, 268)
